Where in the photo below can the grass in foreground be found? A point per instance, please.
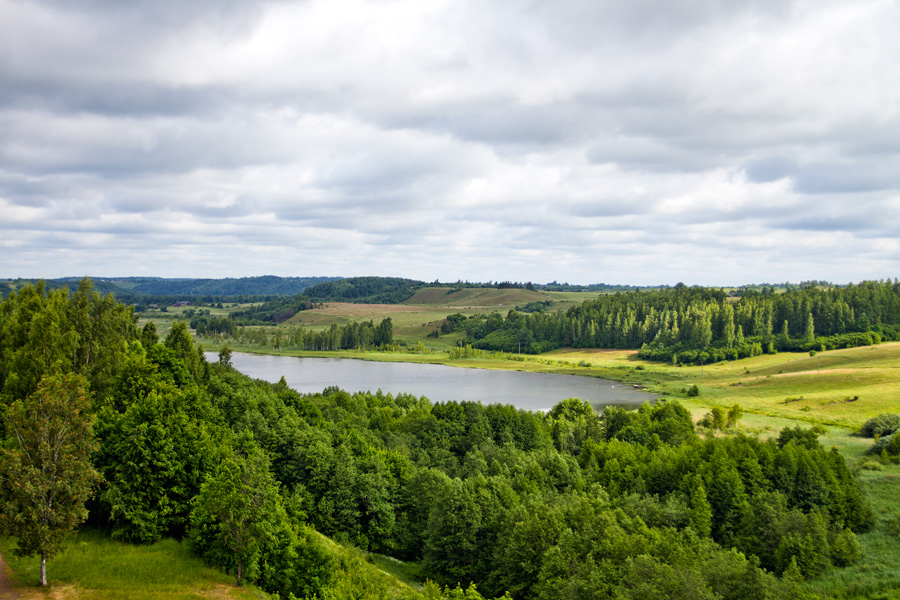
(97, 567)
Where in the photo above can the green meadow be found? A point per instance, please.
(95, 567)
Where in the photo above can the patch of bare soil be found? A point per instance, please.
(6, 590)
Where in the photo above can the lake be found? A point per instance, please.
(438, 383)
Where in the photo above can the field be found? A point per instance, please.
(839, 387)
(94, 567)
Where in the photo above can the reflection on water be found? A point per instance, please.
(439, 383)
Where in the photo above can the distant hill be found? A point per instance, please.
(137, 287)
(471, 296)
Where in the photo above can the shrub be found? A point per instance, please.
(881, 425)
(882, 444)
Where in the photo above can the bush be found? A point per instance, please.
(881, 425)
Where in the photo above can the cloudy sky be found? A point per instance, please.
(714, 142)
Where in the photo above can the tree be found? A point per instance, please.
(701, 512)
(809, 334)
(225, 356)
(241, 505)
(46, 469)
(384, 333)
(734, 415)
(149, 337)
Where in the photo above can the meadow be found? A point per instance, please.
(95, 567)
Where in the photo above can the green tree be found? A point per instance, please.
(225, 356)
(701, 512)
(734, 415)
(728, 326)
(154, 456)
(179, 340)
(46, 470)
(149, 337)
(241, 504)
(384, 333)
(809, 334)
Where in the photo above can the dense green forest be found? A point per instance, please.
(698, 325)
(366, 290)
(567, 504)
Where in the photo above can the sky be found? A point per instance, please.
(644, 142)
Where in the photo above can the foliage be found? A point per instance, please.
(45, 333)
(702, 325)
(884, 424)
(239, 521)
(365, 335)
(46, 471)
(365, 290)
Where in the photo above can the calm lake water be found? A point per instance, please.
(438, 383)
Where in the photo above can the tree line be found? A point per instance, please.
(564, 504)
(694, 324)
(352, 336)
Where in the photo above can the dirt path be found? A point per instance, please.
(6, 590)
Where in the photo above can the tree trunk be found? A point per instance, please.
(43, 569)
(240, 570)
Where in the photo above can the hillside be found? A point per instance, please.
(95, 567)
(475, 297)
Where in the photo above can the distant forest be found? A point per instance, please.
(363, 290)
(163, 290)
(699, 325)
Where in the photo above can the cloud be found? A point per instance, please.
(637, 142)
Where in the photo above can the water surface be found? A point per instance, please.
(438, 383)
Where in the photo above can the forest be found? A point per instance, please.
(564, 504)
(702, 325)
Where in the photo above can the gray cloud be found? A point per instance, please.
(639, 141)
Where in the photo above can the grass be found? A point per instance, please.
(877, 575)
(98, 568)
(365, 576)
(94, 566)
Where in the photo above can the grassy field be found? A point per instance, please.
(94, 566)
(97, 568)
(839, 387)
